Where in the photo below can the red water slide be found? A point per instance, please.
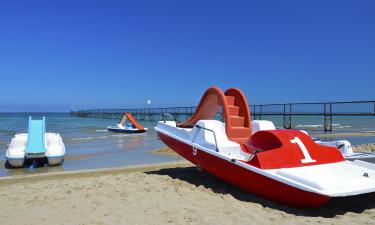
(235, 111)
(131, 118)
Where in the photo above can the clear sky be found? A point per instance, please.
(88, 54)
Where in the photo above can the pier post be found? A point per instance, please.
(255, 112)
(327, 116)
(287, 117)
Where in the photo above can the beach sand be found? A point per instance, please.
(160, 194)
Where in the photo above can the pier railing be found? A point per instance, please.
(284, 112)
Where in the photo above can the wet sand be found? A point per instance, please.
(364, 148)
(165, 151)
(345, 134)
(158, 194)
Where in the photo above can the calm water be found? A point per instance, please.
(89, 145)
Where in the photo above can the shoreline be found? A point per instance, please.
(90, 172)
(164, 151)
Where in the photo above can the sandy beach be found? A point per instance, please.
(159, 194)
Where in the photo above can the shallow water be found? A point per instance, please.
(88, 144)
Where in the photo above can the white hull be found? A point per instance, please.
(55, 150)
(54, 161)
(16, 162)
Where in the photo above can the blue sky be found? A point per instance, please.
(90, 54)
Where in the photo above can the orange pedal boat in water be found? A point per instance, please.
(285, 166)
(127, 124)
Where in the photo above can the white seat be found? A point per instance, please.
(258, 125)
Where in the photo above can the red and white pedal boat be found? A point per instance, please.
(286, 166)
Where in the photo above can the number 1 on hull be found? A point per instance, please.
(305, 152)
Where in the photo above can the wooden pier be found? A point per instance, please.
(324, 110)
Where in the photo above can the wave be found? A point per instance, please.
(105, 136)
(336, 125)
(124, 135)
(88, 138)
(309, 126)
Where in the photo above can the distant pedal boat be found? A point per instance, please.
(127, 124)
(36, 144)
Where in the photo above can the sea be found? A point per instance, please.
(90, 146)
(88, 143)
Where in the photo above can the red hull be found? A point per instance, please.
(248, 180)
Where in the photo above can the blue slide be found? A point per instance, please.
(35, 139)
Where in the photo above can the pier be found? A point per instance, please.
(287, 112)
